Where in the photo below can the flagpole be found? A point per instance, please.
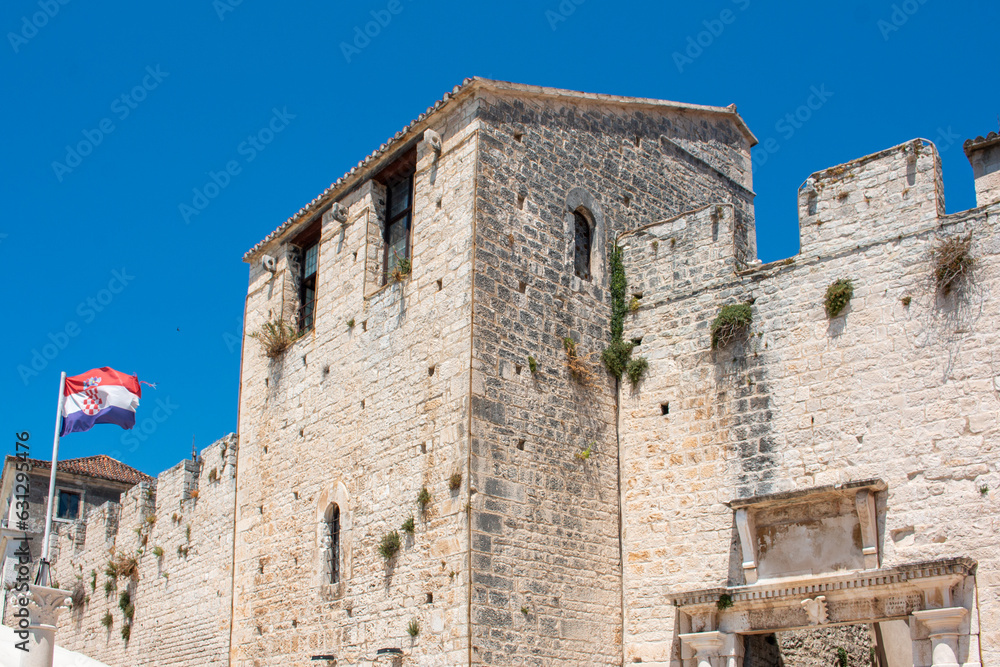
(42, 578)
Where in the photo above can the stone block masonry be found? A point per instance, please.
(901, 386)
(180, 533)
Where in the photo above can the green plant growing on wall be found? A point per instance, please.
(725, 601)
(532, 365)
(126, 632)
(906, 300)
(413, 628)
(107, 620)
(157, 551)
(350, 323)
(423, 498)
(455, 481)
(129, 611)
(841, 656)
(952, 262)
(124, 600)
(93, 580)
(408, 526)
(838, 295)
(636, 368)
(275, 337)
(109, 588)
(390, 545)
(983, 490)
(633, 304)
(524, 610)
(617, 354)
(731, 323)
(584, 454)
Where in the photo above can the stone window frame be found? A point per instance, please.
(79, 507)
(581, 201)
(336, 495)
(296, 249)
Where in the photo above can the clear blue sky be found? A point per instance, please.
(212, 74)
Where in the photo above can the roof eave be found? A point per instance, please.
(372, 162)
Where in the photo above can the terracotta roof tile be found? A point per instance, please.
(100, 466)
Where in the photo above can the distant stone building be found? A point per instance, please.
(82, 485)
(792, 463)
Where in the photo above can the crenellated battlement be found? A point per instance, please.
(179, 530)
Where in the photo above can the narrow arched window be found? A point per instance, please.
(581, 246)
(333, 525)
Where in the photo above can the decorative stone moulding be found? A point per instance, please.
(932, 596)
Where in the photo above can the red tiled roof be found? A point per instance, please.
(100, 466)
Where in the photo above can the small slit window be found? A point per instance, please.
(68, 506)
(581, 246)
(333, 552)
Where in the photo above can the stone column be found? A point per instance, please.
(940, 628)
(44, 607)
(705, 647)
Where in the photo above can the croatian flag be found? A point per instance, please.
(100, 396)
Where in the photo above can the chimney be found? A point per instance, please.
(984, 154)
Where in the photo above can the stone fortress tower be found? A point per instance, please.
(575, 518)
(435, 467)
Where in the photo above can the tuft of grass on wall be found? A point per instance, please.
(838, 295)
(731, 323)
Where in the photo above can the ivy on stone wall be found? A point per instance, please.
(617, 355)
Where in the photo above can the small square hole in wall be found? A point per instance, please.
(302, 432)
(627, 201)
(265, 449)
(638, 141)
(520, 444)
(517, 369)
(439, 202)
(423, 447)
(664, 408)
(362, 404)
(266, 382)
(519, 137)
(295, 494)
(430, 598)
(260, 509)
(522, 286)
(430, 370)
(637, 341)
(364, 325)
(440, 284)
(355, 253)
(520, 202)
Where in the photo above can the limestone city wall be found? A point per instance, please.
(182, 598)
(902, 386)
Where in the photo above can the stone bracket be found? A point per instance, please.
(864, 501)
(747, 531)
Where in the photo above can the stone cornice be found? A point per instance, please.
(825, 584)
